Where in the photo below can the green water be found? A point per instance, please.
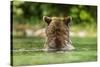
(86, 50)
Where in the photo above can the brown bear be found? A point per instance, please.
(57, 34)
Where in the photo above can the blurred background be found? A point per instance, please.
(28, 31)
(27, 17)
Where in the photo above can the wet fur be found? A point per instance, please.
(57, 33)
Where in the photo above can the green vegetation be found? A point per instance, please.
(85, 51)
(31, 13)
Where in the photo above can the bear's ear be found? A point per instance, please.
(67, 20)
(47, 19)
